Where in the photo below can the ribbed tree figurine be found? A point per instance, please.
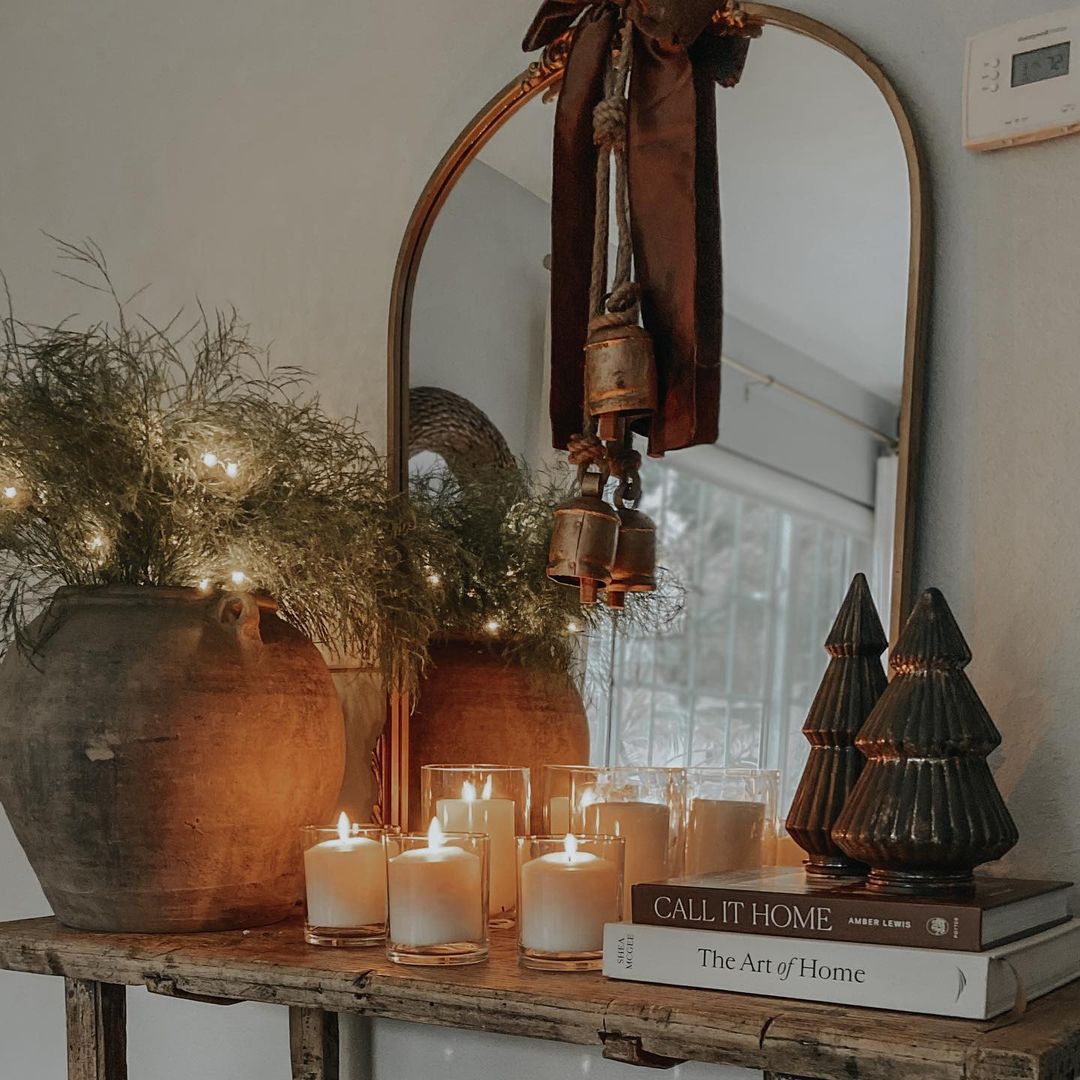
(925, 811)
(852, 684)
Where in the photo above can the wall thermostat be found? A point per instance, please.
(1022, 82)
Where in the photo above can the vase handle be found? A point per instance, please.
(241, 612)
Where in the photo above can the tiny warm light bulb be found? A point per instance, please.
(343, 826)
(10, 492)
(238, 577)
(492, 626)
(486, 793)
(204, 585)
(209, 460)
(232, 470)
(434, 579)
(436, 838)
(468, 791)
(573, 627)
(96, 543)
(570, 845)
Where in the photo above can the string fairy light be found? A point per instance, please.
(573, 627)
(232, 470)
(210, 459)
(492, 626)
(11, 492)
(204, 585)
(238, 577)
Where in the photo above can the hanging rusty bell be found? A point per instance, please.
(584, 539)
(634, 568)
(620, 376)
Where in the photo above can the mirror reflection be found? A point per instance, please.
(765, 528)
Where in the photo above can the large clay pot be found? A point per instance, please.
(476, 706)
(161, 750)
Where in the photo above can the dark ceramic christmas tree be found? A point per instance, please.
(925, 811)
(852, 684)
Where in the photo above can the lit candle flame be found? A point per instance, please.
(570, 844)
(436, 838)
(343, 826)
(486, 793)
(468, 791)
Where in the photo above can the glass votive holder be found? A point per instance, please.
(437, 897)
(730, 819)
(642, 804)
(568, 888)
(492, 799)
(554, 796)
(344, 884)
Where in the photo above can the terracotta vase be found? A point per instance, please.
(161, 751)
(478, 706)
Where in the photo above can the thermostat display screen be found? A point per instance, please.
(1039, 64)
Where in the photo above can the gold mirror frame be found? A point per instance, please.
(391, 757)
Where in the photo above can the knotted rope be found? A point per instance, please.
(619, 307)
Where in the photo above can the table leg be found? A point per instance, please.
(96, 1030)
(313, 1042)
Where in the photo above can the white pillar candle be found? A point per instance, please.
(346, 881)
(435, 894)
(566, 897)
(725, 834)
(646, 828)
(558, 815)
(496, 817)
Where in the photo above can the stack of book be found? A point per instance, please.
(775, 932)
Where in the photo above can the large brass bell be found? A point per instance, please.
(634, 568)
(584, 539)
(620, 377)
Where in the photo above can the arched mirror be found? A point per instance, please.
(812, 478)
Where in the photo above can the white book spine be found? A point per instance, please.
(971, 985)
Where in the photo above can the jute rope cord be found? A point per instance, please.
(619, 307)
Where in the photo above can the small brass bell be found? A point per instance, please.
(584, 539)
(620, 376)
(634, 569)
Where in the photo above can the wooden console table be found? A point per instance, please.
(643, 1025)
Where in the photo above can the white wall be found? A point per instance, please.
(480, 304)
(268, 153)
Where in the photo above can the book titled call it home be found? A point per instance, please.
(785, 902)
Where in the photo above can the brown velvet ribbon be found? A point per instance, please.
(674, 202)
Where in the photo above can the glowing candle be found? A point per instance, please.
(495, 817)
(647, 830)
(566, 897)
(436, 894)
(346, 881)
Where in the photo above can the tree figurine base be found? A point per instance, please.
(919, 882)
(833, 867)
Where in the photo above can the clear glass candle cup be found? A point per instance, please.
(344, 884)
(568, 888)
(437, 897)
(492, 799)
(554, 796)
(645, 806)
(731, 819)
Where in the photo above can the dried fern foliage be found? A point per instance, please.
(132, 454)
